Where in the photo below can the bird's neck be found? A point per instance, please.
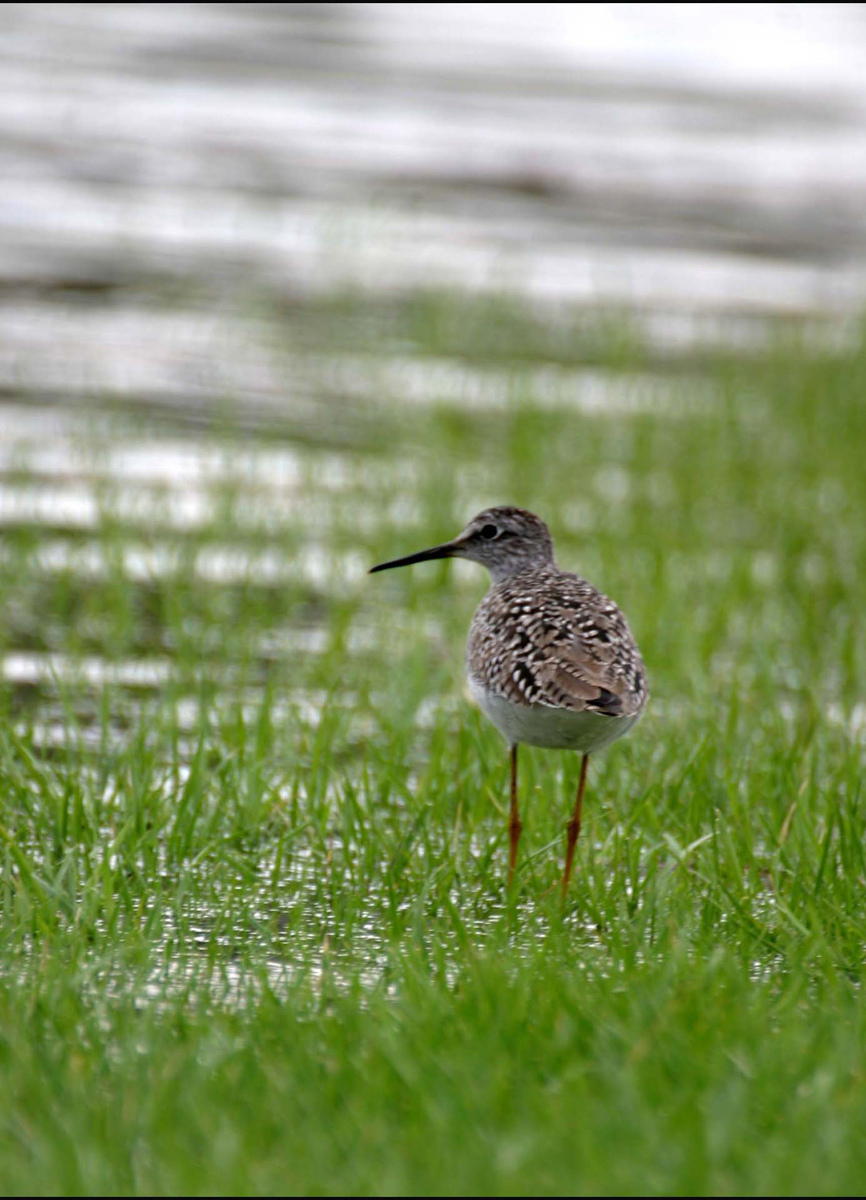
(500, 572)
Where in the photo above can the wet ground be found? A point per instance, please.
(270, 275)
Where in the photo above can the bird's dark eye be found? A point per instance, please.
(489, 532)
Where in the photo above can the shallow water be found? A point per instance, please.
(186, 189)
(698, 157)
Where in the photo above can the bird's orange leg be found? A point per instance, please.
(514, 825)
(574, 826)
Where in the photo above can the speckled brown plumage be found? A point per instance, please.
(545, 636)
(551, 660)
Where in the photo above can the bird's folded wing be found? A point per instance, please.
(572, 677)
(566, 646)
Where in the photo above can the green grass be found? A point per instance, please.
(254, 931)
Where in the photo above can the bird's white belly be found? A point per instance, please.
(554, 728)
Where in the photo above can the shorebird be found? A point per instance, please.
(550, 660)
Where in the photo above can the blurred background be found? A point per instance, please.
(698, 157)
(285, 287)
(179, 178)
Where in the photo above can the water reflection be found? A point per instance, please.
(661, 155)
(187, 189)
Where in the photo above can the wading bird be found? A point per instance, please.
(550, 660)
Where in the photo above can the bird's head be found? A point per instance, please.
(505, 540)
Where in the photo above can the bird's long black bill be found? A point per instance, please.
(445, 551)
